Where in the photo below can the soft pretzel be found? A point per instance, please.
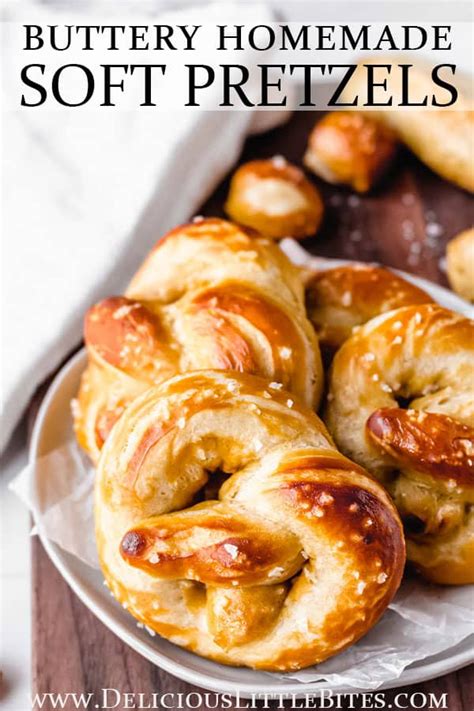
(420, 358)
(275, 198)
(340, 299)
(210, 295)
(296, 559)
(442, 138)
(350, 148)
(460, 264)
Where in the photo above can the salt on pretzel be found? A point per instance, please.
(342, 298)
(401, 404)
(210, 295)
(294, 561)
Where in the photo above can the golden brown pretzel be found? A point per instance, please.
(210, 295)
(351, 148)
(339, 299)
(460, 264)
(421, 358)
(296, 560)
(275, 198)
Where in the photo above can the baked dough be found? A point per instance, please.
(460, 264)
(296, 558)
(349, 148)
(338, 300)
(275, 198)
(441, 138)
(401, 404)
(211, 294)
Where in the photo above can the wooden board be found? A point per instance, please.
(405, 224)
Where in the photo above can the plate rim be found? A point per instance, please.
(413, 674)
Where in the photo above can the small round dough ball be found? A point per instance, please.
(275, 198)
(349, 148)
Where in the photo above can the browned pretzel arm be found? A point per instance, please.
(426, 442)
(340, 299)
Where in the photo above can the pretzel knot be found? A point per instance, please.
(210, 295)
(401, 404)
(296, 558)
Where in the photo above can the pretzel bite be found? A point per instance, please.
(460, 264)
(295, 560)
(275, 198)
(337, 300)
(349, 148)
(401, 403)
(210, 295)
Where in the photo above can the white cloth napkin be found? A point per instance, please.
(85, 196)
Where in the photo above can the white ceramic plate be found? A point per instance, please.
(53, 428)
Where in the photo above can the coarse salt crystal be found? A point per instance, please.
(279, 161)
(285, 352)
(276, 572)
(275, 386)
(232, 550)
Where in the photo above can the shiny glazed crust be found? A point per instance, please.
(296, 557)
(460, 264)
(340, 299)
(421, 358)
(349, 148)
(210, 295)
(275, 198)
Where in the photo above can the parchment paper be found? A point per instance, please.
(422, 620)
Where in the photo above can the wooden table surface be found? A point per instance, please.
(406, 224)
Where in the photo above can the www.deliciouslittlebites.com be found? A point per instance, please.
(109, 698)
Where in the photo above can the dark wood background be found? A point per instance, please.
(405, 223)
